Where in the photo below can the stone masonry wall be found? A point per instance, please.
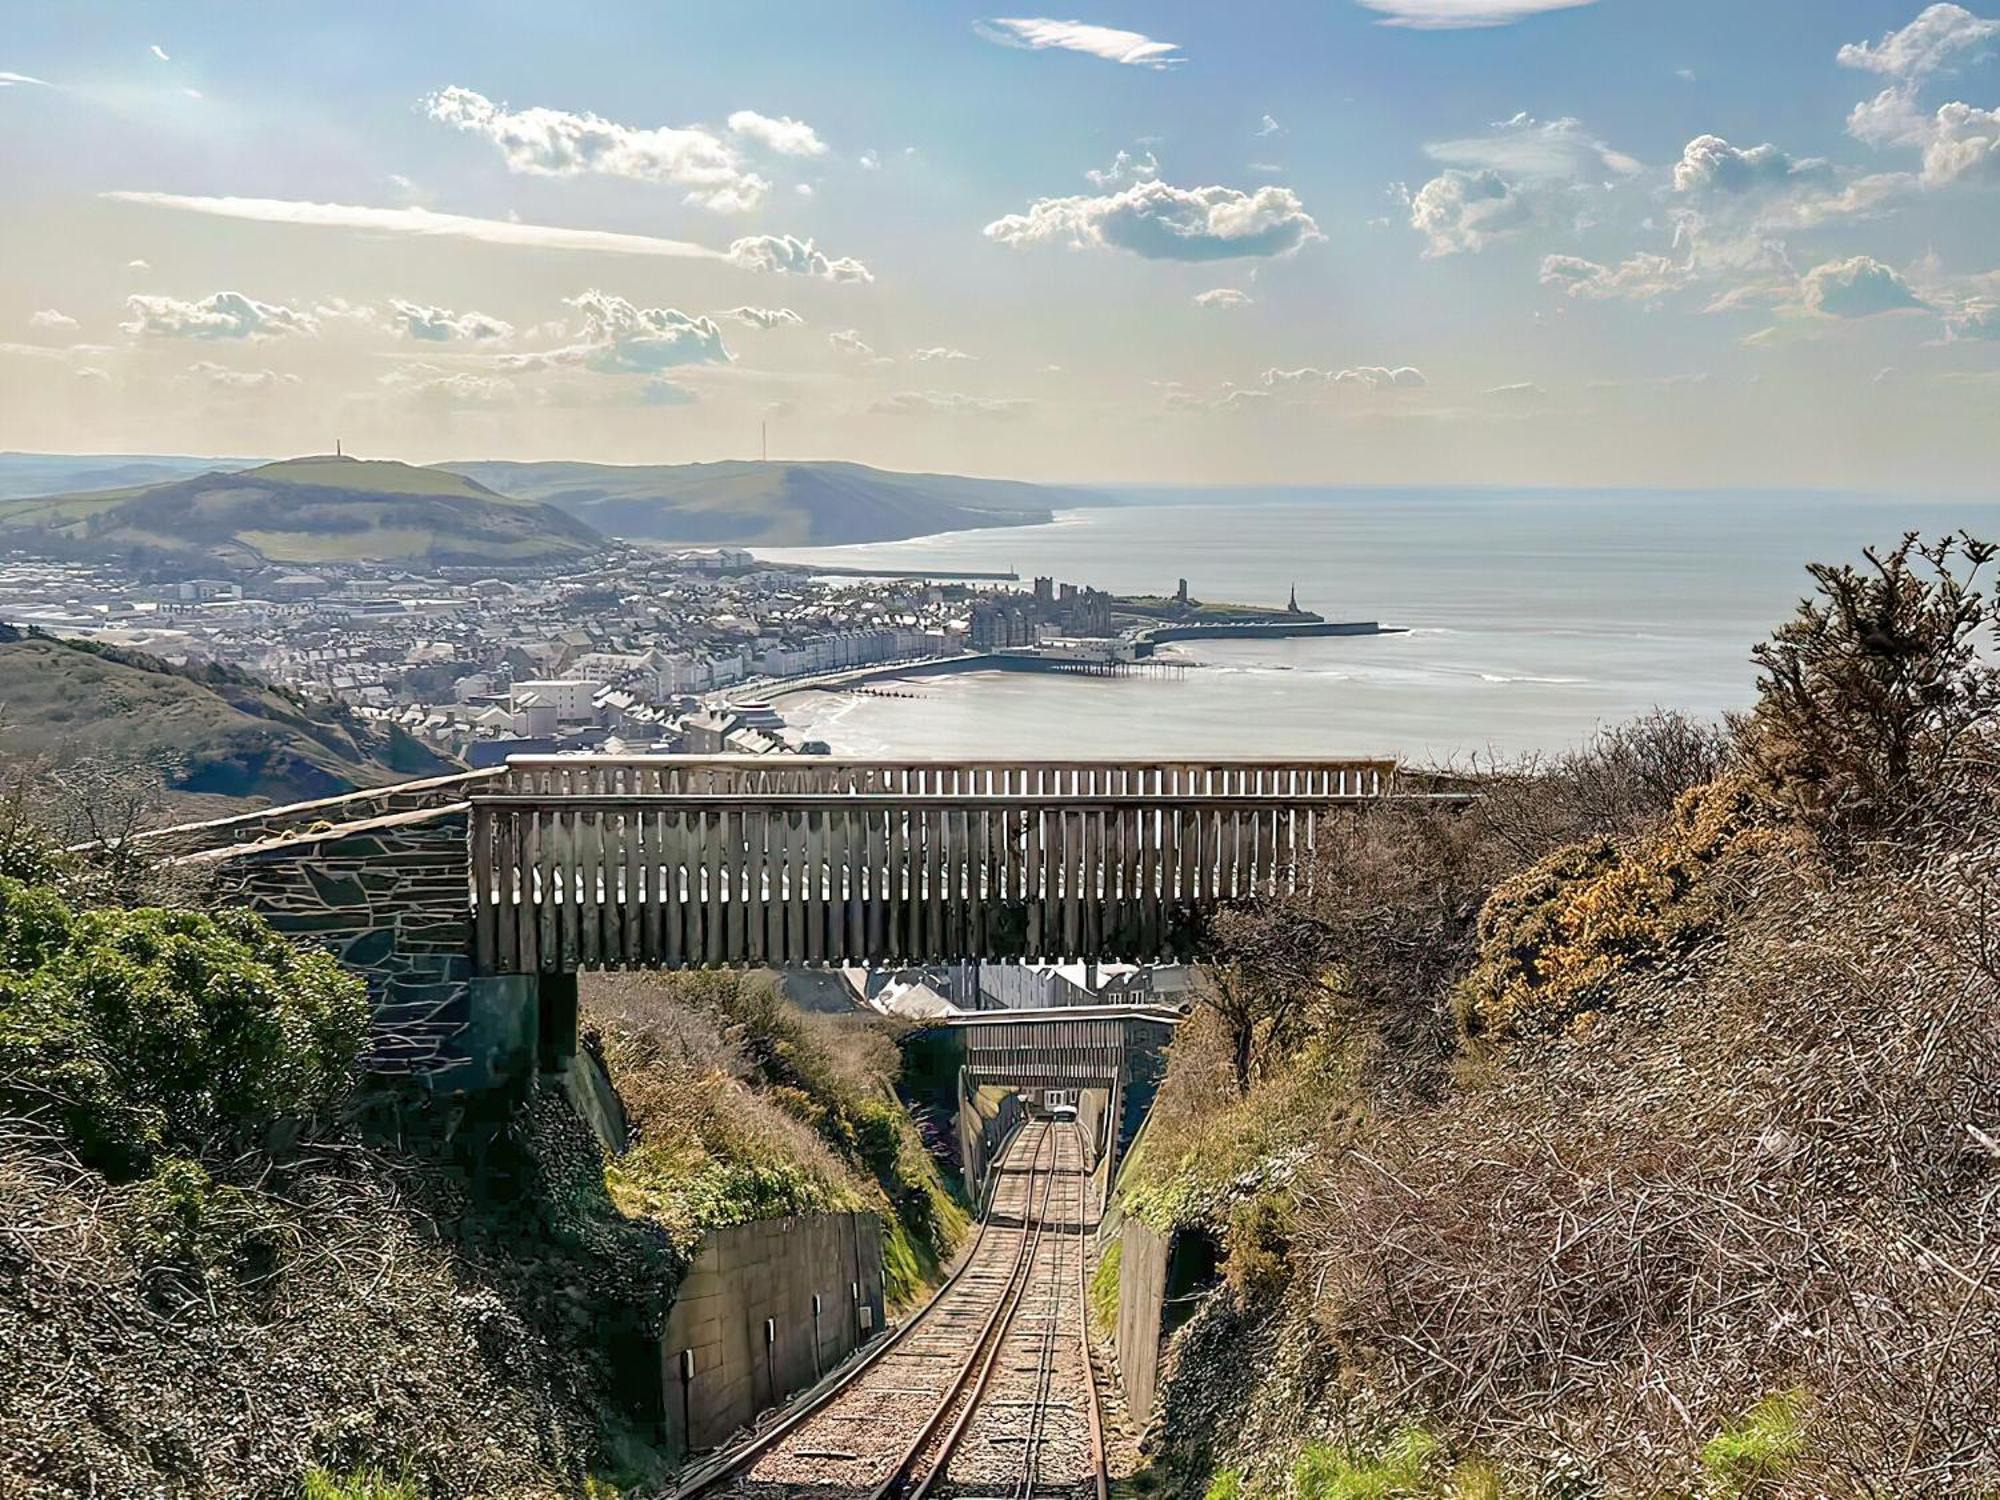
(742, 1277)
(389, 898)
(369, 803)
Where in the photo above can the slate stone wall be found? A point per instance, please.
(327, 812)
(389, 898)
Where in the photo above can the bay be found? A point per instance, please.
(1528, 619)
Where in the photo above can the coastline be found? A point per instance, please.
(1149, 641)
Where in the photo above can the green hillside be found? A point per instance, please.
(297, 513)
(228, 733)
(746, 504)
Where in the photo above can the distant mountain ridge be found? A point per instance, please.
(746, 503)
(28, 474)
(301, 512)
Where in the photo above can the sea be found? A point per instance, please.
(1524, 620)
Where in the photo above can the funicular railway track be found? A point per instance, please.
(987, 1392)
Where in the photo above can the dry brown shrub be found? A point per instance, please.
(1777, 1172)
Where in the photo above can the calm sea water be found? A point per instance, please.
(1530, 619)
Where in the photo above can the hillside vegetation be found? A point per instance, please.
(777, 504)
(321, 510)
(212, 729)
(1635, 1132)
(745, 1107)
(232, 1266)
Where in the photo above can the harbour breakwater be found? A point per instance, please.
(1260, 630)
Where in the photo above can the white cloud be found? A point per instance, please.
(52, 319)
(1269, 126)
(1859, 287)
(869, 161)
(765, 252)
(223, 315)
(432, 386)
(622, 338)
(1519, 390)
(1710, 165)
(849, 341)
(558, 143)
(1931, 42)
(1222, 296)
(1960, 142)
(765, 318)
(1162, 222)
(950, 404)
(422, 222)
(1370, 377)
(9, 80)
(1978, 319)
(1525, 147)
(160, 52)
(138, 265)
(1231, 399)
(1129, 47)
(1126, 168)
(939, 355)
(1642, 278)
(440, 325)
(1451, 15)
(1964, 146)
(788, 255)
(784, 135)
(1459, 210)
(207, 372)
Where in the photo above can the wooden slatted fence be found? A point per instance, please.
(566, 878)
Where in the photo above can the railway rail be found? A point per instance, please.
(988, 1391)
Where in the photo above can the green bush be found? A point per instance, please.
(146, 1033)
(1227, 1485)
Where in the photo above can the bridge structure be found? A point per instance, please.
(471, 902)
(1107, 1058)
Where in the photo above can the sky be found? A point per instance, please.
(1682, 243)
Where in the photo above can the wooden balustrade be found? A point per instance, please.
(656, 775)
(564, 877)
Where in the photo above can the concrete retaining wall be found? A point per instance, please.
(744, 1320)
(1142, 1296)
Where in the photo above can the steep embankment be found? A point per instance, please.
(745, 504)
(212, 729)
(742, 1107)
(230, 1266)
(1633, 1132)
(306, 511)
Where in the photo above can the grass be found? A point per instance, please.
(1104, 1289)
(1757, 1448)
(1405, 1468)
(365, 1484)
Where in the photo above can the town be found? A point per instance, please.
(636, 651)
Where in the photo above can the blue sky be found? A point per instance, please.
(1520, 241)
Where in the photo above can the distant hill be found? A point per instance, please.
(233, 734)
(298, 513)
(61, 473)
(748, 504)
